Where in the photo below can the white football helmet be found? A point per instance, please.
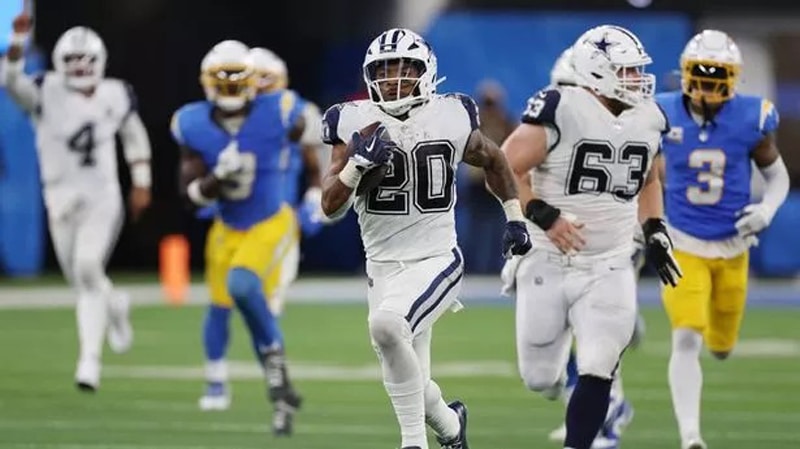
(270, 70)
(562, 72)
(400, 71)
(227, 75)
(611, 61)
(80, 56)
(710, 67)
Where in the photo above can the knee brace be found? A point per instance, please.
(388, 329)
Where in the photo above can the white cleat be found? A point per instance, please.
(216, 399)
(695, 443)
(87, 375)
(559, 434)
(216, 403)
(120, 331)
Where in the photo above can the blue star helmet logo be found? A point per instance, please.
(603, 44)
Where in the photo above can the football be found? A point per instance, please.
(372, 177)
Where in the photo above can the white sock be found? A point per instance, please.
(92, 315)
(686, 380)
(408, 402)
(442, 419)
(217, 371)
(402, 378)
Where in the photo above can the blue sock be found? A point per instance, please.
(216, 332)
(572, 370)
(586, 411)
(246, 288)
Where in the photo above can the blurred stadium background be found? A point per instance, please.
(500, 51)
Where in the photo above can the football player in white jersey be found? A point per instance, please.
(414, 265)
(77, 113)
(591, 148)
(620, 411)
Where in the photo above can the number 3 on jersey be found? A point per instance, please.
(710, 164)
(432, 165)
(82, 142)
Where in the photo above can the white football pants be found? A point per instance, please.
(559, 296)
(84, 229)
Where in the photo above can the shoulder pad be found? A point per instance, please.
(330, 125)
(470, 106)
(181, 119)
(768, 118)
(541, 109)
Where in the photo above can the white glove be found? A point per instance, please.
(753, 219)
(229, 162)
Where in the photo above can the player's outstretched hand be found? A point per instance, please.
(565, 233)
(22, 23)
(659, 251)
(373, 151)
(516, 241)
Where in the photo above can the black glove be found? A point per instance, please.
(659, 251)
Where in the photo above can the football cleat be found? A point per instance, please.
(286, 401)
(87, 376)
(559, 434)
(459, 442)
(611, 433)
(695, 443)
(216, 398)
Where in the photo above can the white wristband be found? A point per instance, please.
(350, 175)
(18, 39)
(513, 210)
(194, 194)
(140, 174)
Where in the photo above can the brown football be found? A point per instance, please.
(372, 177)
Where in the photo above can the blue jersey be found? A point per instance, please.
(708, 168)
(257, 193)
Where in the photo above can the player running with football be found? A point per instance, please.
(414, 265)
(591, 148)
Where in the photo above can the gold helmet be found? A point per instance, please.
(270, 70)
(710, 67)
(227, 75)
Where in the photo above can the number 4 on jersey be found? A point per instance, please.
(82, 142)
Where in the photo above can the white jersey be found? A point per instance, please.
(596, 165)
(75, 133)
(410, 216)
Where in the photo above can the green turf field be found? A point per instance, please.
(148, 397)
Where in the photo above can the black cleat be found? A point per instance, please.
(459, 442)
(286, 401)
(86, 387)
